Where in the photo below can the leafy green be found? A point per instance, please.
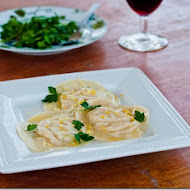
(52, 90)
(77, 10)
(78, 125)
(98, 24)
(31, 127)
(88, 107)
(62, 17)
(4, 46)
(10, 30)
(52, 97)
(39, 32)
(139, 116)
(83, 136)
(77, 138)
(20, 12)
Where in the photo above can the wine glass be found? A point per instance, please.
(143, 41)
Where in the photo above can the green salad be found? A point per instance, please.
(39, 32)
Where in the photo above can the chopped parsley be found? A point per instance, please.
(77, 10)
(77, 138)
(83, 136)
(139, 116)
(39, 32)
(31, 127)
(78, 125)
(20, 12)
(52, 90)
(62, 17)
(98, 24)
(52, 97)
(4, 46)
(88, 107)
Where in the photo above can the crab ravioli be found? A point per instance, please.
(54, 130)
(113, 122)
(74, 92)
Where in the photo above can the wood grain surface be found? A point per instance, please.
(168, 69)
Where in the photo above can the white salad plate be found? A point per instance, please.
(21, 99)
(90, 35)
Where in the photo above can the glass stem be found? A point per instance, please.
(143, 24)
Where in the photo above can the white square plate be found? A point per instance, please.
(20, 99)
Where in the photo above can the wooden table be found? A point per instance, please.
(169, 70)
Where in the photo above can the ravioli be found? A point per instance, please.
(74, 92)
(55, 130)
(113, 122)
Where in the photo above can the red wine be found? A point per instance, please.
(144, 7)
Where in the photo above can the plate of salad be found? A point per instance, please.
(46, 30)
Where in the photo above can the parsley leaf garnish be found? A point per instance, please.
(77, 10)
(62, 17)
(52, 97)
(83, 136)
(139, 116)
(78, 125)
(88, 107)
(20, 12)
(98, 24)
(31, 127)
(77, 138)
(52, 90)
